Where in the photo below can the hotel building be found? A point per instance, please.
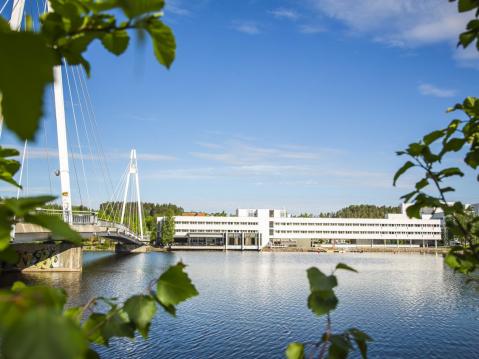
(253, 229)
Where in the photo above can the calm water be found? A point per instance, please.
(252, 304)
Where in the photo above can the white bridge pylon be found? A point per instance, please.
(133, 171)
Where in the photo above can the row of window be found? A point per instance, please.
(395, 225)
(218, 223)
(356, 224)
(180, 230)
(358, 232)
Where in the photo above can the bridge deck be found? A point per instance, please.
(27, 233)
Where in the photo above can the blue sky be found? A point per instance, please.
(295, 104)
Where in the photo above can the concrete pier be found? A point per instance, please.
(46, 257)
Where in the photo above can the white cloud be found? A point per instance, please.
(404, 23)
(468, 57)
(311, 29)
(240, 152)
(49, 153)
(282, 13)
(176, 7)
(431, 90)
(246, 27)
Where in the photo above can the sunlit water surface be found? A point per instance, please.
(251, 305)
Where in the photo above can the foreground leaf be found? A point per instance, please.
(345, 267)
(319, 281)
(295, 351)
(322, 302)
(26, 65)
(41, 333)
(164, 44)
(59, 229)
(174, 287)
(116, 42)
(141, 309)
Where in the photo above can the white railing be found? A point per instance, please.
(78, 217)
(91, 218)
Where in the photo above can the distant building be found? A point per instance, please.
(253, 229)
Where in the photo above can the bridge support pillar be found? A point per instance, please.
(130, 248)
(46, 257)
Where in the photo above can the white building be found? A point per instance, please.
(253, 229)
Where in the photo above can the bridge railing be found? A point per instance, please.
(121, 228)
(78, 217)
(91, 218)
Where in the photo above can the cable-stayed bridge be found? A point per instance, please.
(78, 145)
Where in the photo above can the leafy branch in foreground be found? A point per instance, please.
(35, 323)
(47, 329)
(27, 58)
(322, 301)
(459, 136)
(426, 155)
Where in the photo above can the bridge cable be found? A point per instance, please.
(85, 126)
(77, 133)
(116, 196)
(45, 136)
(4, 6)
(91, 117)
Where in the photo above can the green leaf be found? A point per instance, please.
(415, 149)
(8, 255)
(451, 260)
(74, 313)
(141, 309)
(319, 281)
(42, 296)
(8, 167)
(173, 287)
(466, 38)
(361, 340)
(433, 136)
(134, 8)
(91, 354)
(102, 5)
(454, 144)
(164, 44)
(421, 184)
(116, 42)
(402, 170)
(29, 62)
(408, 196)
(472, 158)
(414, 211)
(345, 267)
(24, 205)
(18, 286)
(4, 26)
(466, 5)
(92, 328)
(59, 229)
(295, 351)
(448, 172)
(41, 333)
(339, 347)
(117, 325)
(322, 301)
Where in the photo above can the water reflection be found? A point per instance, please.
(253, 304)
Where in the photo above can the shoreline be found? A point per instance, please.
(440, 250)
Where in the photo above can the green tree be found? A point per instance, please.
(168, 229)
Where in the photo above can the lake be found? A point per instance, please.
(251, 304)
